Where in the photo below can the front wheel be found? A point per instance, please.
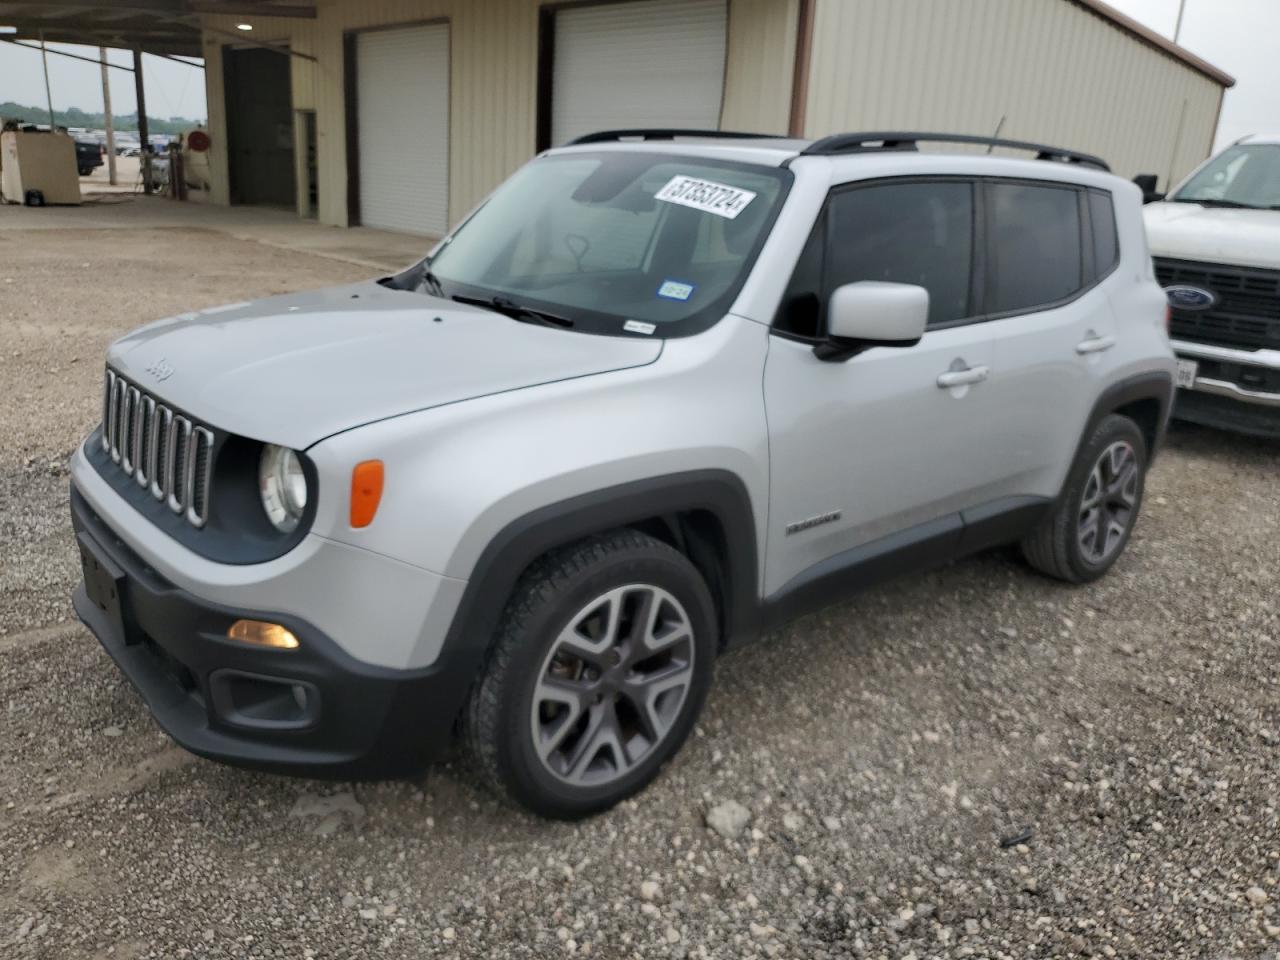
(601, 666)
(1094, 517)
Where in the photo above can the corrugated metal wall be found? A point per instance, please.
(762, 44)
(299, 35)
(1054, 71)
(494, 83)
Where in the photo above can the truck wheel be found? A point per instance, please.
(1094, 516)
(602, 663)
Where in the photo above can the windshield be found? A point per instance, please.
(616, 242)
(1247, 175)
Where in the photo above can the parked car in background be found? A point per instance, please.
(655, 397)
(1216, 244)
(88, 156)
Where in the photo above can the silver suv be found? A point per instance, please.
(658, 394)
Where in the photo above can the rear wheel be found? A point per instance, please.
(1094, 518)
(602, 663)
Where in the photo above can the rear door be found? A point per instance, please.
(1049, 247)
(895, 441)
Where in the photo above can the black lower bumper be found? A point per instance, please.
(310, 711)
(1227, 413)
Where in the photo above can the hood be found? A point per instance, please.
(1188, 231)
(298, 368)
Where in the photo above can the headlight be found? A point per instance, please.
(283, 486)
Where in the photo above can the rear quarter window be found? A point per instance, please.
(1102, 223)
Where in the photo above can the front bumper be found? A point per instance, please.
(1233, 389)
(310, 711)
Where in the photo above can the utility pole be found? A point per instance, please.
(1177, 30)
(142, 121)
(106, 112)
(48, 94)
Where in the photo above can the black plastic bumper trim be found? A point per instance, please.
(369, 722)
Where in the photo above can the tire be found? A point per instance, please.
(551, 723)
(1063, 546)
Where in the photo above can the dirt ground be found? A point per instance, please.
(972, 762)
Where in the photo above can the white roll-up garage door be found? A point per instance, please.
(645, 63)
(402, 126)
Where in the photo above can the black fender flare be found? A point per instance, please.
(720, 493)
(1154, 385)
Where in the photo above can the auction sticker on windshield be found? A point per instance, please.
(706, 195)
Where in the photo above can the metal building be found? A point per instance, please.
(404, 114)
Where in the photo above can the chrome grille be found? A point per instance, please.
(167, 453)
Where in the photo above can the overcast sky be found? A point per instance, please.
(172, 89)
(1240, 36)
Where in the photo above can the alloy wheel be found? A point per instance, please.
(612, 685)
(1107, 508)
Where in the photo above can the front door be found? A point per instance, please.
(896, 440)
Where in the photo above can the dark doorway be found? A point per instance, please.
(259, 126)
(311, 196)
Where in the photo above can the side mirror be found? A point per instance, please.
(871, 313)
(1147, 184)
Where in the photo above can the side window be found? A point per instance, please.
(801, 310)
(1102, 218)
(1037, 255)
(919, 233)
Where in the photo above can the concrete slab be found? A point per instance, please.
(377, 249)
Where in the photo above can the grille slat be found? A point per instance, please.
(117, 417)
(160, 470)
(108, 401)
(179, 439)
(1247, 313)
(142, 466)
(165, 452)
(199, 475)
(129, 436)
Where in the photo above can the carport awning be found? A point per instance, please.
(154, 26)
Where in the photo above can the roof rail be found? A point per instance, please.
(842, 143)
(607, 136)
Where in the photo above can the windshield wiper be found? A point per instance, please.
(1210, 202)
(516, 311)
(431, 281)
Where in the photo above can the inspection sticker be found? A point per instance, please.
(675, 290)
(639, 326)
(706, 195)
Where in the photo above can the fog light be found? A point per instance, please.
(263, 634)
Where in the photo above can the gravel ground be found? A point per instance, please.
(973, 762)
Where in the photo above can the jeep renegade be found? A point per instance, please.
(660, 393)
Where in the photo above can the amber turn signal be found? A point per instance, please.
(262, 634)
(366, 492)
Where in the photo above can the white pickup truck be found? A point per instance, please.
(1216, 244)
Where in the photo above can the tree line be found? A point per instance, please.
(75, 117)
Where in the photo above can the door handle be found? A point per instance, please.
(962, 378)
(1092, 343)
